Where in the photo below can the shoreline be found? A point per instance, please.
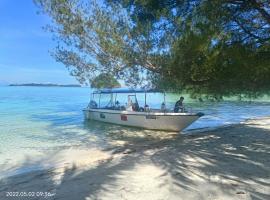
(36, 168)
(227, 162)
(214, 128)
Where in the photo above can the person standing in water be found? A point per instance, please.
(179, 105)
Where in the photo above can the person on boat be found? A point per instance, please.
(129, 105)
(179, 105)
(92, 104)
(117, 105)
(163, 107)
(146, 108)
(135, 106)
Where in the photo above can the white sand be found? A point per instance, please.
(227, 163)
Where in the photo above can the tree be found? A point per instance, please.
(247, 20)
(105, 81)
(94, 38)
(219, 47)
(206, 47)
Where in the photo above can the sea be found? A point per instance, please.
(38, 121)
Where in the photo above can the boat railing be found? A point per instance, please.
(149, 110)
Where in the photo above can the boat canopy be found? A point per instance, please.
(126, 90)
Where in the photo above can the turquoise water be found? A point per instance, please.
(37, 121)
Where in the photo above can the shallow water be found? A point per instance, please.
(38, 121)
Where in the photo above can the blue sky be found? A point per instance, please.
(24, 46)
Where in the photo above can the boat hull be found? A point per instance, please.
(147, 120)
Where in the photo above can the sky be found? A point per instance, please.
(24, 46)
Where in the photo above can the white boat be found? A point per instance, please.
(144, 117)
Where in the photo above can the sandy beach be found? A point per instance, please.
(226, 163)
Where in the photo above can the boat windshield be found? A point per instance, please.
(129, 101)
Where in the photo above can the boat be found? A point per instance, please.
(132, 114)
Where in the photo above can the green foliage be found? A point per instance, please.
(219, 48)
(105, 81)
(94, 39)
(221, 70)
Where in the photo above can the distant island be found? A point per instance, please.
(46, 85)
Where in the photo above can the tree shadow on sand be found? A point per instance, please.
(232, 163)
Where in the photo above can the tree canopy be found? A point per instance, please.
(105, 81)
(206, 47)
